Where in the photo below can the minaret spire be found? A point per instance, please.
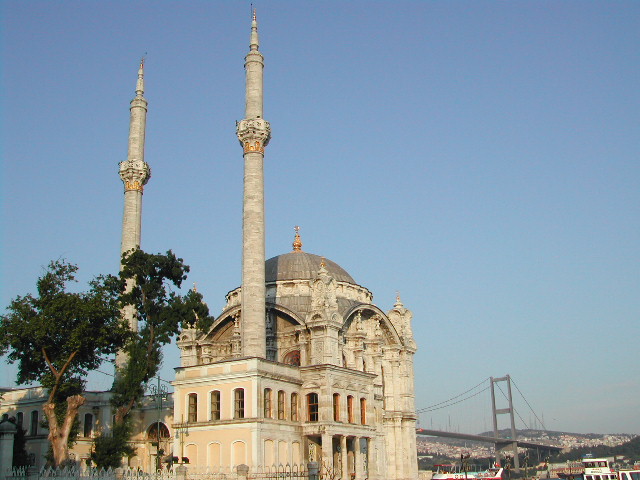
(135, 173)
(254, 134)
(140, 84)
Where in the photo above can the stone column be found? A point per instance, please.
(357, 458)
(253, 133)
(135, 174)
(327, 452)
(345, 457)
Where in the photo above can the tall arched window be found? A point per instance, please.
(336, 407)
(294, 407)
(350, 409)
(281, 402)
(34, 423)
(215, 405)
(312, 407)
(193, 408)
(88, 425)
(19, 419)
(267, 403)
(238, 403)
(363, 411)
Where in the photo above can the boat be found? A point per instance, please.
(601, 469)
(451, 471)
(493, 473)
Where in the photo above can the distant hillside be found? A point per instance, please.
(533, 433)
(630, 449)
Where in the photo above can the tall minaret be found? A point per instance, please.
(254, 134)
(135, 173)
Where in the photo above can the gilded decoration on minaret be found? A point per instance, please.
(254, 134)
(134, 174)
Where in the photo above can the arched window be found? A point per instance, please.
(19, 419)
(363, 411)
(312, 407)
(294, 407)
(292, 358)
(34, 423)
(350, 409)
(336, 407)
(152, 432)
(281, 402)
(238, 403)
(267, 403)
(193, 408)
(88, 425)
(215, 405)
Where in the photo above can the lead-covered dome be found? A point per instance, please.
(298, 265)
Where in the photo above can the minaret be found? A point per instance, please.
(135, 173)
(254, 134)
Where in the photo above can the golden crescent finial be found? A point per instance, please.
(297, 242)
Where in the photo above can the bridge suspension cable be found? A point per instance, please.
(449, 402)
(528, 404)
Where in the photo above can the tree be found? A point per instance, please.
(160, 314)
(57, 337)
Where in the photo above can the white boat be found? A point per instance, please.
(452, 471)
(601, 469)
(494, 473)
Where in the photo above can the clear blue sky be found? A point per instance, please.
(479, 157)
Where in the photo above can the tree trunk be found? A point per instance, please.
(59, 434)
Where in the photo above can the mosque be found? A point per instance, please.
(300, 365)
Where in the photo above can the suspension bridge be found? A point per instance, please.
(506, 446)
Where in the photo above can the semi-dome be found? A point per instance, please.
(298, 265)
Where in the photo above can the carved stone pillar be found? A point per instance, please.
(357, 457)
(345, 458)
(327, 452)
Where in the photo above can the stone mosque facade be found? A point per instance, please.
(300, 366)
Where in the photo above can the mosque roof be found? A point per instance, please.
(299, 265)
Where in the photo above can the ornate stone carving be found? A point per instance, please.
(135, 174)
(254, 134)
(236, 338)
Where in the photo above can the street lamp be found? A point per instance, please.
(158, 393)
(182, 429)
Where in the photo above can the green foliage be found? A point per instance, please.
(160, 313)
(58, 336)
(20, 455)
(108, 450)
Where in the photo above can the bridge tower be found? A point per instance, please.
(509, 445)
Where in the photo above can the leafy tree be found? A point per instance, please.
(57, 336)
(160, 314)
(108, 450)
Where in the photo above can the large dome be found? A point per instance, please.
(299, 265)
